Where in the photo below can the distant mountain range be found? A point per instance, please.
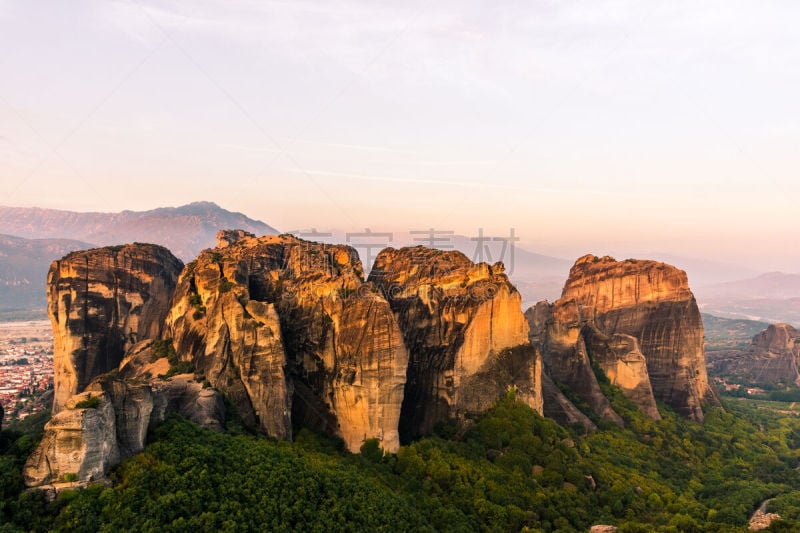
(772, 297)
(23, 271)
(185, 230)
(773, 285)
(705, 271)
(31, 238)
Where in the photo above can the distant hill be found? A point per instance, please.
(703, 272)
(729, 333)
(185, 230)
(772, 297)
(772, 285)
(23, 273)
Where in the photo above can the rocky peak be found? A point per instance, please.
(465, 332)
(651, 302)
(771, 359)
(101, 302)
(603, 283)
(228, 237)
(290, 331)
(777, 338)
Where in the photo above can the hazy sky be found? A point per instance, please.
(600, 126)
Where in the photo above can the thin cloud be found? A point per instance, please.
(451, 163)
(392, 179)
(245, 148)
(349, 146)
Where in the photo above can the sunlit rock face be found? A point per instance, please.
(79, 442)
(637, 308)
(771, 359)
(100, 303)
(288, 331)
(466, 335)
(292, 333)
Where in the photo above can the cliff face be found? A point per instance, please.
(290, 331)
(77, 441)
(465, 332)
(622, 361)
(772, 358)
(558, 332)
(100, 303)
(652, 303)
(557, 406)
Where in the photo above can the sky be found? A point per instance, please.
(603, 126)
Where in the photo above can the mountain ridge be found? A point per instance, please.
(32, 237)
(202, 220)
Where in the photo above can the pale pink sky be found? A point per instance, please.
(609, 126)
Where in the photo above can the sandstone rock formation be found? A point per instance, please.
(557, 406)
(639, 323)
(79, 441)
(109, 421)
(558, 332)
(621, 360)
(100, 303)
(179, 393)
(651, 302)
(291, 333)
(771, 359)
(465, 332)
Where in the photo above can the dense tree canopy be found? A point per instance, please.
(511, 470)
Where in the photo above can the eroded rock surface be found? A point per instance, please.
(100, 303)
(557, 330)
(557, 406)
(290, 331)
(466, 335)
(79, 443)
(651, 302)
(621, 360)
(109, 421)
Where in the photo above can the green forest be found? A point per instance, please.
(509, 470)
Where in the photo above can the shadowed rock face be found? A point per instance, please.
(465, 332)
(652, 303)
(100, 303)
(558, 332)
(557, 406)
(290, 331)
(772, 358)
